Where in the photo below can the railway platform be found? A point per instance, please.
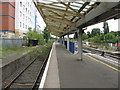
(65, 71)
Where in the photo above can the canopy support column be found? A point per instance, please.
(80, 53)
(67, 41)
(63, 40)
(60, 39)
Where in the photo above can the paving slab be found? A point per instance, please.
(81, 74)
(52, 79)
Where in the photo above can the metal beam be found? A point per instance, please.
(56, 34)
(63, 17)
(53, 17)
(55, 27)
(107, 11)
(52, 23)
(55, 30)
(55, 13)
(52, 3)
(61, 20)
(83, 6)
(39, 9)
(72, 9)
(59, 10)
(102, 8)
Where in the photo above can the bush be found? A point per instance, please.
(34, 35)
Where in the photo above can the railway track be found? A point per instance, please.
(108, 57)
(102, 53)
(29, 78)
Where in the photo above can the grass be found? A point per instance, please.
(0, 52)
(42, 52)
(19, 51)
(102, 47)
(4, 52)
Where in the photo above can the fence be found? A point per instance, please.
(11, 42)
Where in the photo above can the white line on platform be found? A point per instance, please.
(46, 70)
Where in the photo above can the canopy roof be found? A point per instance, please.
(60, 16)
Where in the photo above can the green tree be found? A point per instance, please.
(46, 34)
(95, 31)
(101, 38)
(88, 34)
(29, 28)
(110, 38)
(95, 39)
(105, 27)
(32, 34)
(41, 39)
(118, 33)
(84, 36)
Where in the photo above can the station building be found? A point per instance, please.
(7, 19)
(16, 17)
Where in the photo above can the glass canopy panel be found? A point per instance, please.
(63, 14)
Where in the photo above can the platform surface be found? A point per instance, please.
(67, 72)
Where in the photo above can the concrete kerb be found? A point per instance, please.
(41, 86)
(0, 74)
(10, 68)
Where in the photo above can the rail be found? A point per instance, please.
(102, 52)
(40, 73)
(37, 78)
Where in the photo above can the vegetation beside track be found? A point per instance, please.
(43, 51)
(102, 36)
(43, 40)
(4, 52)
(32, 69)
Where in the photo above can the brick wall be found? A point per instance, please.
(7, 17)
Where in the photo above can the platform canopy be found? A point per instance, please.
(65, 16)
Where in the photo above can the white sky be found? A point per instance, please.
(113, 26)
(41, 21)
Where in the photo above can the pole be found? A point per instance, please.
(63, 40)
(68, 42)
(80, 53)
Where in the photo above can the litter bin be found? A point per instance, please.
(58, 41)
(71, 47)
(65, 43)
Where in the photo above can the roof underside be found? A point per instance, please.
(60, 16)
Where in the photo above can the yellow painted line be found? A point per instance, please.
(103, 63)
